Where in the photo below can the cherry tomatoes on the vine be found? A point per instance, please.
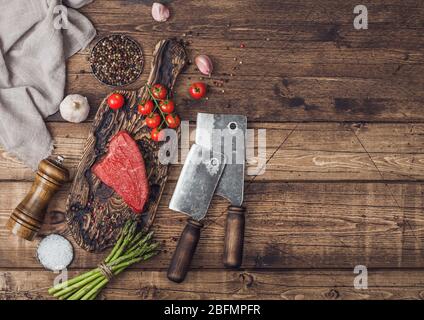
(173, 121)
(146, 107)
(159, 92)
(156, 134)
(167, 106)
(153, 120)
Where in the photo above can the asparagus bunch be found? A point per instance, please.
(130, 248)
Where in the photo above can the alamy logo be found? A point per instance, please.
(361, 280)
(361, 20)
(237, 146)
(61, 277)
(61, 19)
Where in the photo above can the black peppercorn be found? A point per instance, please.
(117, 60)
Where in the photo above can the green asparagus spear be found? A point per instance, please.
(68, 283)
(87, 288)
(119, 242)
(77, 285)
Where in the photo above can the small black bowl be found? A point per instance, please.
(138, 64)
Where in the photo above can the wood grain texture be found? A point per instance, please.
(295, 152)
(345, 127)
(289, 225)
(221, 284)
(291, 99)
(313, 65)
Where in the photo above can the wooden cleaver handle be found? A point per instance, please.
(185, 250)
(234, 237)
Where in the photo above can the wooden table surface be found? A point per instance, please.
(343, 109)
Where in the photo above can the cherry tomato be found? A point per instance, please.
(116, 101)
(146, 107)
(156, 134)
(197, 90)
(153, 120)
(173, 121)
(167, 106)
(159, 92)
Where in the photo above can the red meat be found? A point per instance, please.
(124, 171)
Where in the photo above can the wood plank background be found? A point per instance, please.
(344, 181)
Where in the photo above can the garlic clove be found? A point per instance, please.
(204, 64)
(160, 12)
(74, 108)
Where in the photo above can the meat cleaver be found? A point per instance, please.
(193, 193)
(226, 134)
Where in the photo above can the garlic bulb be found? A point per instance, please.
(74, 108)
(160, 12)
(204, 64)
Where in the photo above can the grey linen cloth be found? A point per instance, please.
(36, 37)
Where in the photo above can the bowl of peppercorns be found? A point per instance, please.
(117, 60)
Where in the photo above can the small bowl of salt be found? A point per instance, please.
(55, 252)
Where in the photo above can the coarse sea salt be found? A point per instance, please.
(55, 252)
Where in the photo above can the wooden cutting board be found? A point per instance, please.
(94, 213)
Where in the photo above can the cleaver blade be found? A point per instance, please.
(226, 134)
(197, 182)
(192, 196)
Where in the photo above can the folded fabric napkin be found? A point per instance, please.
(36, 37)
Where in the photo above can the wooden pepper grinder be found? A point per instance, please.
(26, 220)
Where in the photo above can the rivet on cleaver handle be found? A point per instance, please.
(194, 191)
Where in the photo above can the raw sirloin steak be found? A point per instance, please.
(123, 170)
